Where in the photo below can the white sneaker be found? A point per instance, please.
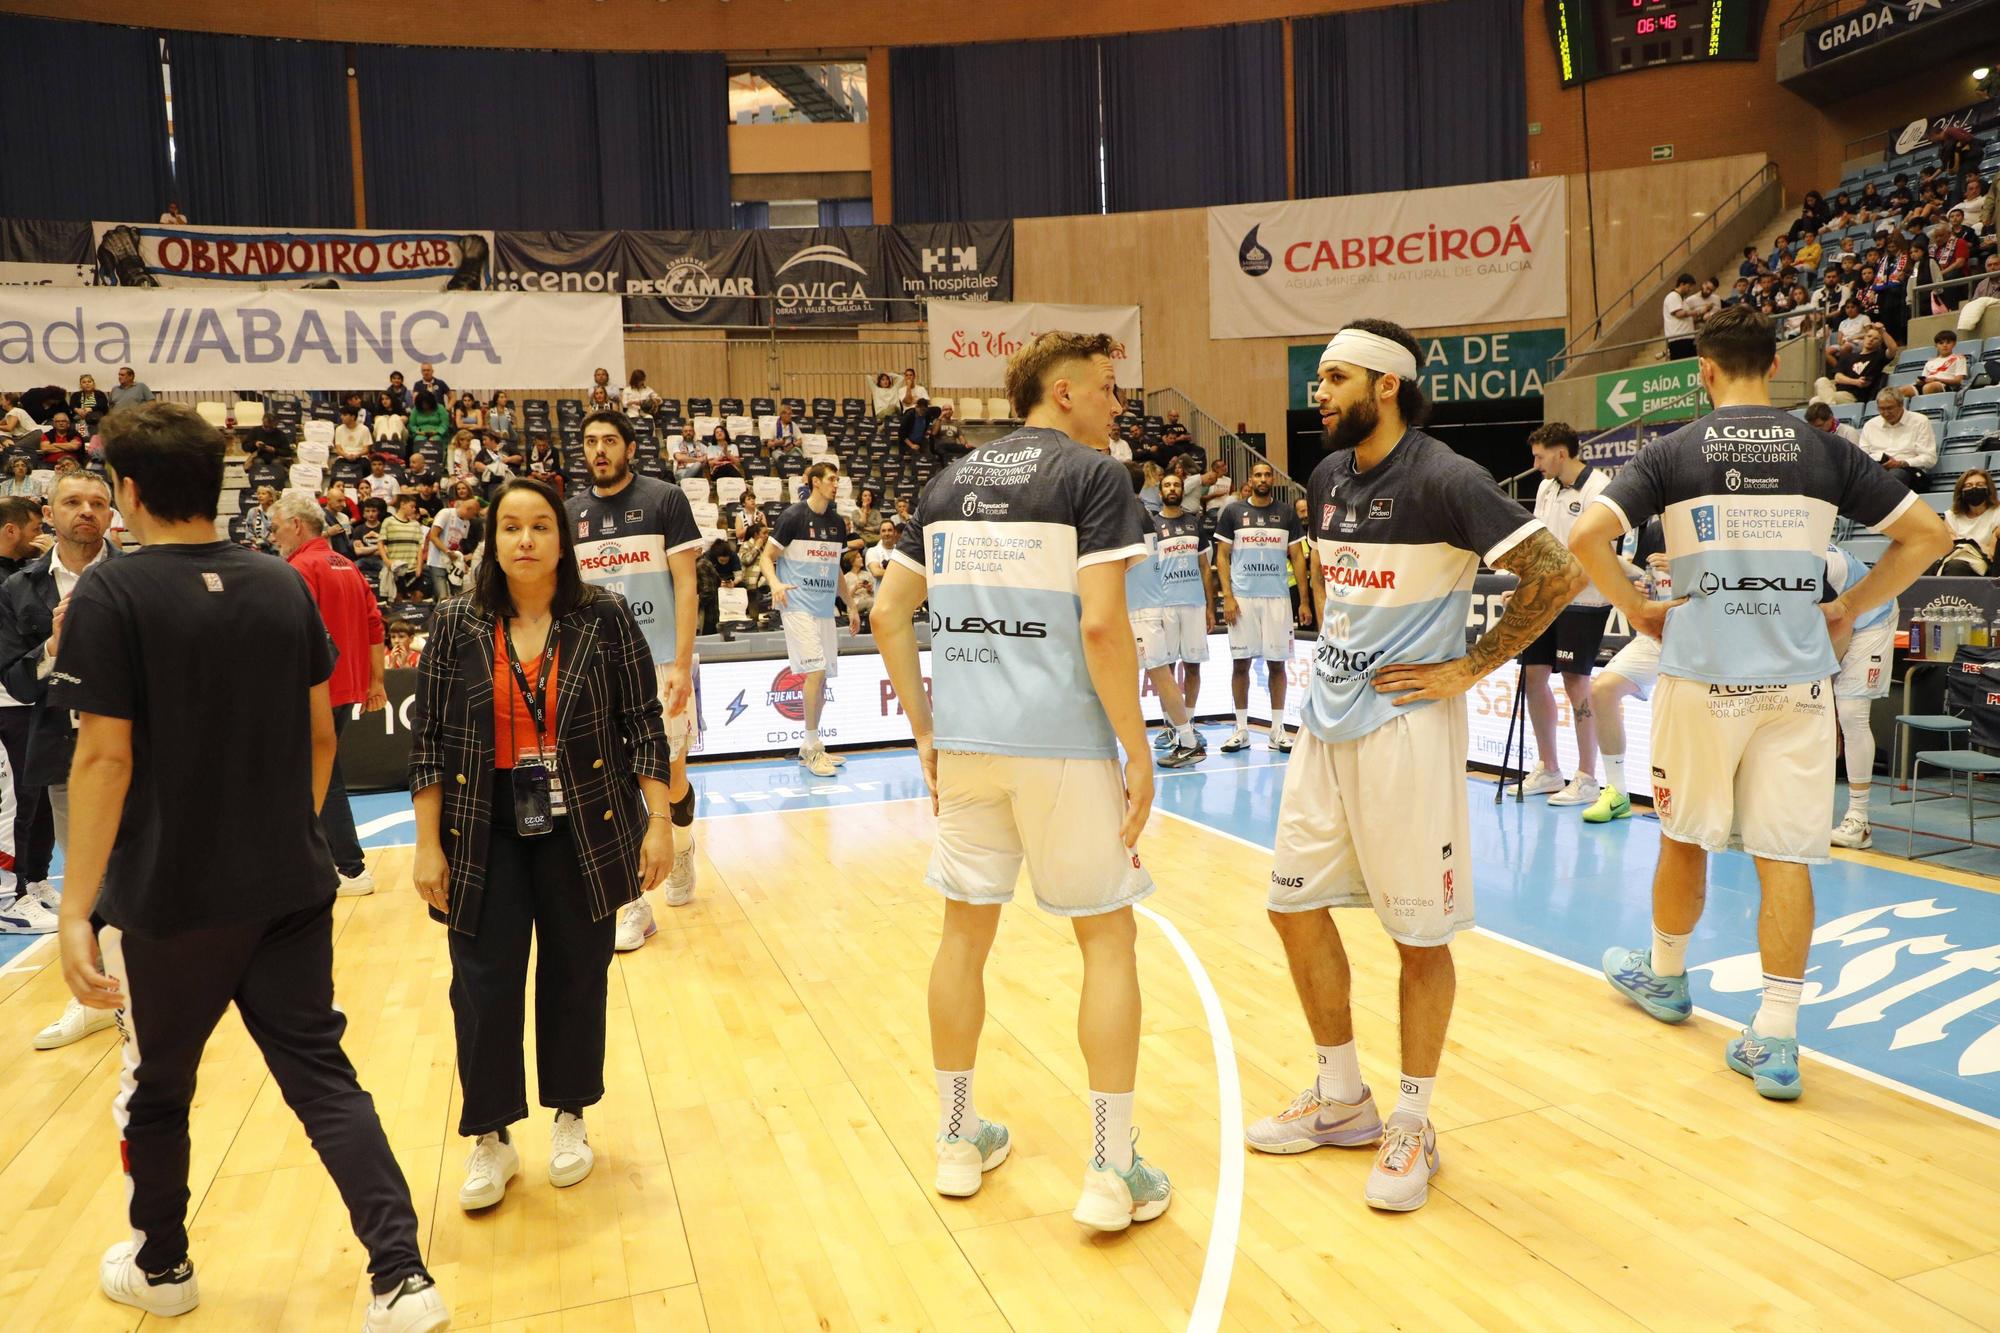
(414, 1306)
(680, 880)
(47, 894)
(167, 1295)
(819, 764)
(1404, 1165)
(1580, 791)
(25, 915)
(1281, 740)
(1541, 782)
(1853, 832)
(835, 759)
(357, 886)
(76, 1023)
(492, 1164)
(570, 1157)
(635, 925)
(1239, 739)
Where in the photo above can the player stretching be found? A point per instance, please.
(636, 536)
(1187, 608)
(1374, 806)
(806, 545)
(1742, 725)
(1021, 547)
(1255, 540)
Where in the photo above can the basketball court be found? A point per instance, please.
(764, 1150)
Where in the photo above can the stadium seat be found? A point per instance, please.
(1988, 398)
(764, 407)
(998, 409)
(854, 408)
(214, 413)
(1913, 358)
(1936, 406)
(249, 414)
(700, 407)
(1847, 413)
(730, 407)
(1903, 377)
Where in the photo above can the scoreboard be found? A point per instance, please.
(1596, 38)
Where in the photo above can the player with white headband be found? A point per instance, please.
(1374, 807)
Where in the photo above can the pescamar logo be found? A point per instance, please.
(1346, 573)
(688, 286)
(1252, 257)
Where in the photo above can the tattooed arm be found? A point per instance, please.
(1549, 577)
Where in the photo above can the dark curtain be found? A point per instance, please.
(846, 212)
(1410, 97)
(665, 117)
(239, 159)
(83, 132)
(750, 215)
(1194, 118)
(996, 130)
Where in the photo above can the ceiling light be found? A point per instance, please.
(1982, 73)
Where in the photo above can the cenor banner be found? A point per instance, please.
(295, 339)
(971, 340)
(958, 261)
(1470, 254)
(146, 254)
(558, 261)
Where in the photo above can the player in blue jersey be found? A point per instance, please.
(637, 536)
(802, 569)
(1187, 601)
(1145, 603)
(1866, 654)
(1258, 541)
(1742, 728)
(1374, 807)
(1021, 548)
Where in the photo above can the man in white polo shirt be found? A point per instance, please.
(1677, 318)
(1900, 440)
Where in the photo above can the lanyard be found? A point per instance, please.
(536, 699)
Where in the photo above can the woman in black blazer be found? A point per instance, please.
(540, 785)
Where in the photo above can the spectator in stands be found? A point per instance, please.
(1946, 370)
(402, 654)
(346, 602)
(601, 400)
(902, 517)
(722, 457)
(129, 390)
(258, 519)
(398, 394)
(857, 590)
(600, 378)
(382, 483)
(60, 439)
(509, 460)
(1950, 260)
(707, 580)
(1859, 376)
(690, 459)
(351, 439)
(429, 502)
(868, 513)
(542, 460)
(876, 557)
(403, 545)
(1956, 147)
(500, 419)
(1974, 520)
(468, 415)
(428, 382)
(21, 479)
(366, 543)
(15, 420)
(427, 421)
(173, 215)
(1677, 323)
(885, 399)
(749, 575)
(1820, 417)
(45, 401)
(947, 438)
(909, 392)
(445, 544)
(784, 428)
(1984, 297)
(1810, 252)
(341, 503)
(1978, 205)
(638, 395)
(386, 421)
(1900, 440)
(916, 425)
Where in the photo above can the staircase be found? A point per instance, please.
(1237, 456)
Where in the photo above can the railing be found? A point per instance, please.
(1236, 455)
(1811, 11)
(1625, 302)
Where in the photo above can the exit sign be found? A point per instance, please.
(1663, 152)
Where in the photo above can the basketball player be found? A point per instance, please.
(1187, 603)
(1742, 727)
(1631, 670)
(636, 536)
(1569, 647)
(1256, 540)
(802, 569)
(1021, 547)
(1145, 603)
(1865, 659)
(1374, 806)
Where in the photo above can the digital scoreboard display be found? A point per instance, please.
(1596, 38)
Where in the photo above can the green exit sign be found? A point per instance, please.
(1663, 152)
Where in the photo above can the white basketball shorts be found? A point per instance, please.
(1638, 662)
(1747, 766)
(812, 643)
(1864, 667)
(1263, 629)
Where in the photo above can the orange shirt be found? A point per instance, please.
(510, 706)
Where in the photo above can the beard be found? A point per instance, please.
(1353, 425)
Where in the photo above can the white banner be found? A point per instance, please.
(146, 254)
(971, 340)
(1468, 254)
(295, 339)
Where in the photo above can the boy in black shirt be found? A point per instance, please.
(213, 879)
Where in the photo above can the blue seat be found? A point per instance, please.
(1912, 358)
(1988, 397)
(1971, 348)
(1936, 406)
(1849, 413)
(1973, 765)
(1897, 379)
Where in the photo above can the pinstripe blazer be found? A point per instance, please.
(609, 733)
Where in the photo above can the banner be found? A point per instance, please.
(1469, 254)
(291, 339)
(971, 340)
(1454, 368)
(826, 275)
(145, 254)
(693, 277)
(35, 253)
(1859, 29)
(559, 261)
(956, 261)
(1918, 132)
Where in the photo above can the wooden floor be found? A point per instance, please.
(764, 1155)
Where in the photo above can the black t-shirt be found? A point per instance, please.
(210, 652)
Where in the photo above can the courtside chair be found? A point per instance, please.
(1974, 765)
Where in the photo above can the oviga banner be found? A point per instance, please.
(1469, 254)
(304, 339)
(971, 340)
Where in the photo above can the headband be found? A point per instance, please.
(1370, 351)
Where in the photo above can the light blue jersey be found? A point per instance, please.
(808, 548)
(1000, 537)
(1179, 550)
(1260, 540)
(1748, 497)
(1844, 569)
(1143, 589)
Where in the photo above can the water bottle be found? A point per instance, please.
(1917, 645)
(1981, 636)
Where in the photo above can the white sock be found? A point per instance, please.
(1778, 1015)
(1415, 1098)
(1614, 773)
(1340, 1073)
(1670, 953)
(1243, 719)
(1111, 1130)
(812, 739)
(1186, 736)
(955, 1112)
(1857, 800)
